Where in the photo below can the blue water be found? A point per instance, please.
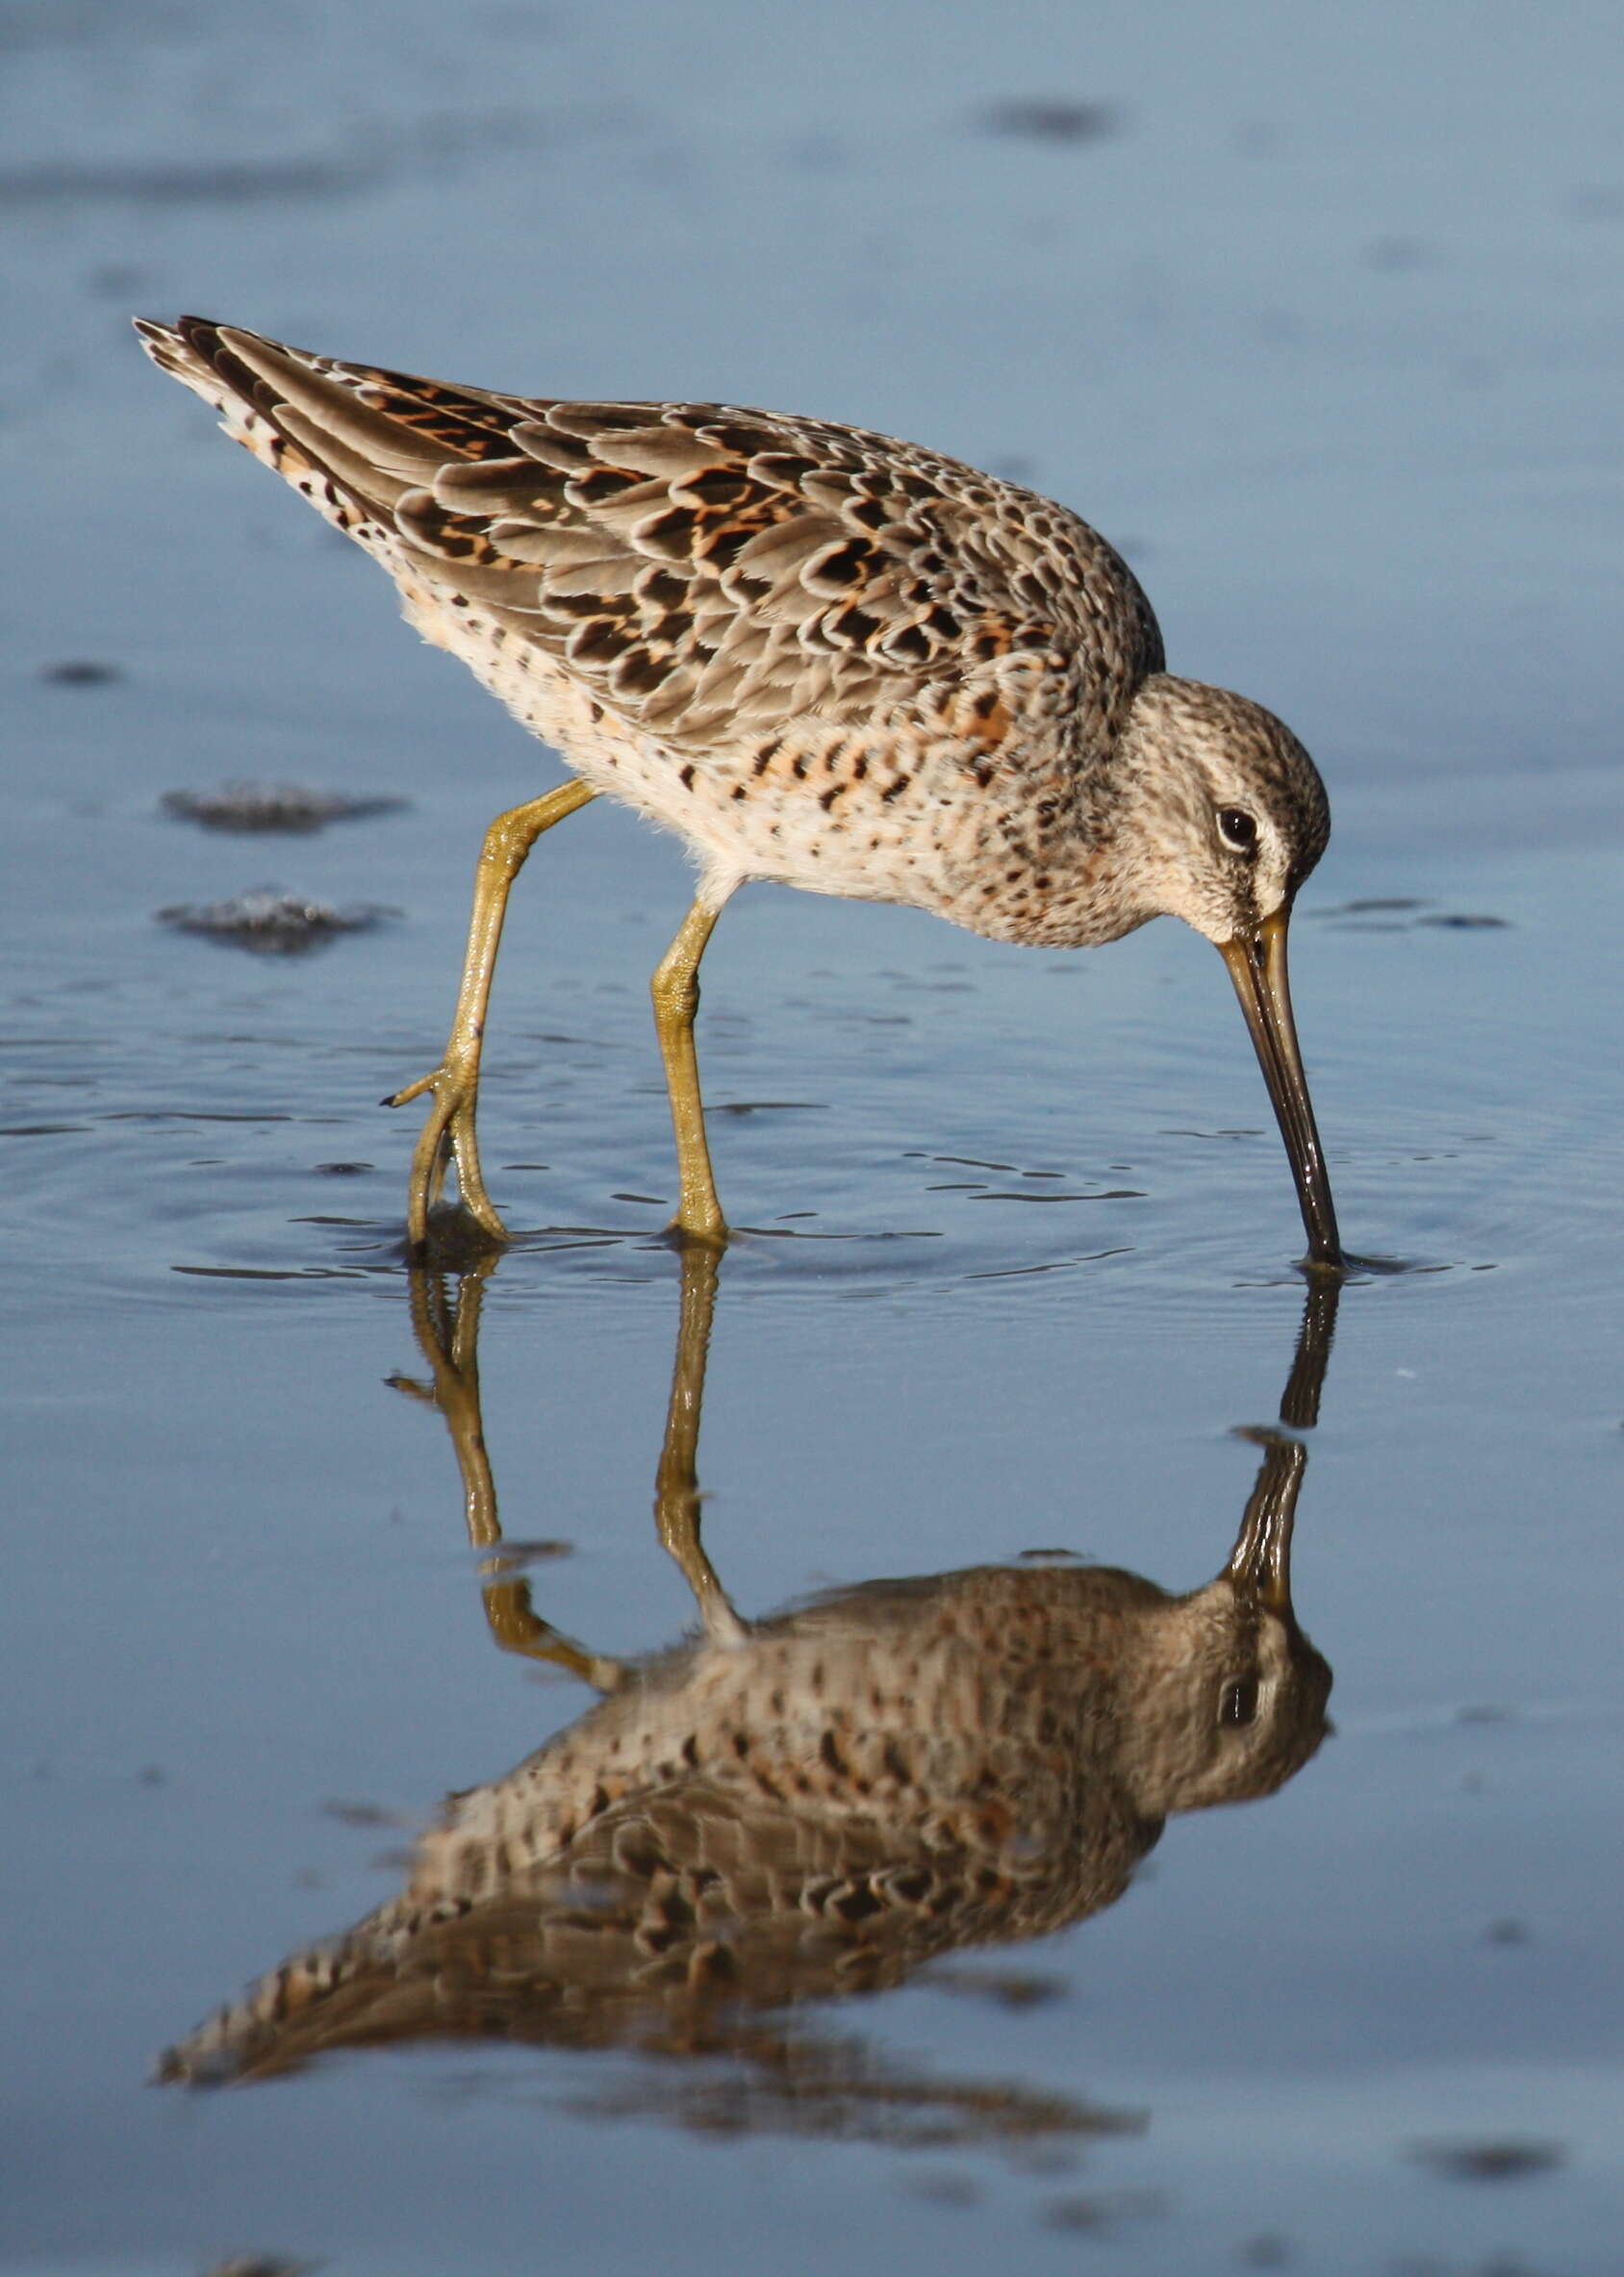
(1322, 325)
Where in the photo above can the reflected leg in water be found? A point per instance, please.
(676, 1482)
(447, 1333)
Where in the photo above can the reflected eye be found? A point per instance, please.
(1238, 829)
(1237, 1703)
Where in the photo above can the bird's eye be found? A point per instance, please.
(1238, 1704)
(1238, 829)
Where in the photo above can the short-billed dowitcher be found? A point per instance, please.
(824, 658)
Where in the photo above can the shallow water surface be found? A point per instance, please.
(1051, 1910)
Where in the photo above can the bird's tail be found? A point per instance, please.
(294, 2011)
(214, 362)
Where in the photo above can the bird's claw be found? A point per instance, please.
(449, 1136)
(412, 1091)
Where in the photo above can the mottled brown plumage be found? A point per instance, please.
(827, 658)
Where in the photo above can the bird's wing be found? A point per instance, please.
(695, 1893)
(697, 565)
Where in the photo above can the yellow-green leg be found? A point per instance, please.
(448, 1134)
(675, 991)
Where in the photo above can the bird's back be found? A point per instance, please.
(822, 655)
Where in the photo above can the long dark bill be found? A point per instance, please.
(1262, 1558)
(1257, 969)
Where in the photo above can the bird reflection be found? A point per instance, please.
(812, 1805)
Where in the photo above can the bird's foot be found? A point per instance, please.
(699, 1229)
(449, 1137)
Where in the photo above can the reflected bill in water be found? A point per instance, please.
(818, 1804)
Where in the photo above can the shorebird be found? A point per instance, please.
(824, 658)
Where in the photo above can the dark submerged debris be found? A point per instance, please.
(509, 1553)
(259, 2265)
(1396, 253)
(1268, 2250)
(1003, 1988)
(291, 808)
(350, 1813)
(1389, 914)
(836, 2091)
(1050, 118)
(166, 183)
(81, 671)
(1493, 2160)
(1100, 2213)
(272, 923)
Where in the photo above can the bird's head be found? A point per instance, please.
(1229, 812)
(1228, 816)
